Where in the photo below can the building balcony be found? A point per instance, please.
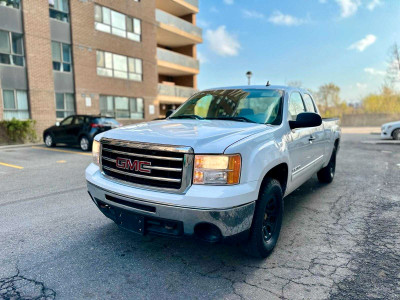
(173, 94)
(178, 7)
(176, 32)
(10, 19)
(174, 64)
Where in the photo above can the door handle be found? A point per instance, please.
(311, 138)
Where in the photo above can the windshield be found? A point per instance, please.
(105, 121)
(244, 105)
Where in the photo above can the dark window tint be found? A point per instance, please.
(309, 103)
(67, 121)
(79, 120)
(296, 106)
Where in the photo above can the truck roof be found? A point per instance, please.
(260, 87)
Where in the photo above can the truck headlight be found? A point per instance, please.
(96, 152)
(217, 169)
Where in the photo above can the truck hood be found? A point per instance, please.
(204, 136)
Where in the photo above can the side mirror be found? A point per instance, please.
(306, 119)
(57, 123)
(169, 112)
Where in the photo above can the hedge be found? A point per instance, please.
(17, 131)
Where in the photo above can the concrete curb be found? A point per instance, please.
(20, 146)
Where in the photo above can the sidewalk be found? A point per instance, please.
(2, 147)
(370, 130)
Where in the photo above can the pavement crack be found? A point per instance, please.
(19, 287)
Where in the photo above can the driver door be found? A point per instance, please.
(300, 146)
(61, 132)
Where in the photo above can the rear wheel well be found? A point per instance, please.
(280, 173)
(337, 143)
(83, 135)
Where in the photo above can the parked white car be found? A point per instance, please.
(391, 130)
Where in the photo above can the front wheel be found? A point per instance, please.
(84, 143)
(267, 220)
(396, 134)
(326, 175)
(49, 141)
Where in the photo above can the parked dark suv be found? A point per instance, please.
(78, 130)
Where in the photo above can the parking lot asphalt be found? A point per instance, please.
(338, 241)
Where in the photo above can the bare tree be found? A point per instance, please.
(328, 97)
(393, 71)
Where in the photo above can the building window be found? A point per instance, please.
(122, 107)
(59, 10)
(65, 105)
(10, 3)
(15, 104)
(119, 66)
(61, 54)
(113, 22)
(11, 48)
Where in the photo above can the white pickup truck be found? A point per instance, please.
(218, 168)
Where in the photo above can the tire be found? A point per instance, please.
(84, 143)
(396, 134)
(267, 220)
(326, 175)
(49, 140)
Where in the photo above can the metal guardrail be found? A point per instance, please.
(175, 91)
(177, 58)
(166, 18)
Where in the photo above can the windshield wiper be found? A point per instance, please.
(239, 119)
(187, 117)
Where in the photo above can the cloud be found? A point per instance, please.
(361, 86)
(222, 42)
(279, 18)
(363, 44)
(202, 58)
(252, 14)
(373, 71)
(228, 2)
(348, 7)
(213, 9)
(202, 23)
(373, 4)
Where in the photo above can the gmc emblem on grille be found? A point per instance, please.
(128, 164)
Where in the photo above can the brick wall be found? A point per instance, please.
(39, 63)
(86, 40)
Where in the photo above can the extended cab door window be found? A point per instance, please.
(296, 106)
(309, 103)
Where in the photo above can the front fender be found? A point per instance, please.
(260, 153)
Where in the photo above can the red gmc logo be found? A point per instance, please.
(137, 165)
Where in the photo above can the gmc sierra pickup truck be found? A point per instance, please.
(218, 168)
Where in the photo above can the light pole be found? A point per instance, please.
(249, 74)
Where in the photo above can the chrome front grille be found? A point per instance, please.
(153, 166)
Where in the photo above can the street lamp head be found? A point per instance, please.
(248, 74)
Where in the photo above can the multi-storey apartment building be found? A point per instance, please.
(131, 59)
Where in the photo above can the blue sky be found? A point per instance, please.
(313, 41)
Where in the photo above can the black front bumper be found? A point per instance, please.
(139, 223)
